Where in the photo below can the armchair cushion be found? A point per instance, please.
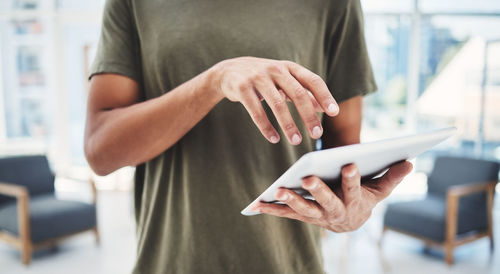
(427, 218)
(33, 172)
(49, 217)
(451, 171)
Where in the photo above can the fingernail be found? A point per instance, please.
(316, 132)
(333, 108)
(295, 139)
(311, 186)
(351, 173)
(274, 139)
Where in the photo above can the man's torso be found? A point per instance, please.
(188, 199)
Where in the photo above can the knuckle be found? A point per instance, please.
(337, 215)
(312, 119)
(267, 128)
(354, 203)
(352, 187)
(279, 104)
(299, 92)
(259, 116)
(274, 68)
(329, 205)
(289, 127)
(316, 80)
(287, 63)
(282, 94)
(261, 119)
(244, 85)
(258, 77)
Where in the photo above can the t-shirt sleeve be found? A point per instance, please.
(118, 47)
(349, 72)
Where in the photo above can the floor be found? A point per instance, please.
(359, 252)
(80, 254)
(343, 253)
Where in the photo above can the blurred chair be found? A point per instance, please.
(458, 207)
(30, 214)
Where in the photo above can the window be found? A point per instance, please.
(388, 46)
(428, 59)
(436, 64)
(442, 86)
(460, 66)
(45, 48)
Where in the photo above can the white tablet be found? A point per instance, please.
(371, 159)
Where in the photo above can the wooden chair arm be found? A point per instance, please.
(23, 209)
(452, 197)
(467, 189)
(13, 190)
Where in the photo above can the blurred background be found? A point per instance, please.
(436, 62)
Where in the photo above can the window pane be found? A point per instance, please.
(451, 76)
(26, 4)
(78, 5)
(25, 55)
(459, 5)
(387, 39)
(387, 6)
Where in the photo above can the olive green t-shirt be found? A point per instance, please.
(188, 199)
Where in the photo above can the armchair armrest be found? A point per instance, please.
(13, 190)
(453, 195)
(467, 189)
(23, 210)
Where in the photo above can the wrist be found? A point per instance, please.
(211, 80)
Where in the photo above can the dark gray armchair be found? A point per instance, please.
(30, 214)
(458, 207)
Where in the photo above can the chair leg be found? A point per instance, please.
(26, 250)
(97, 236)
(492, 243)
(24, 228)
(448, 250)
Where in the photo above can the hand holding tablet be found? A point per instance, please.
(370, 158)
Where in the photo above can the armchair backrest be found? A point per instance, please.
(33, 172)
(450, 171)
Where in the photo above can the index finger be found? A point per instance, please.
(316, 85)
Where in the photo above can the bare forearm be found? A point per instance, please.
(122, 131)
(338, 139)
(137, 133)
(345, 128)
